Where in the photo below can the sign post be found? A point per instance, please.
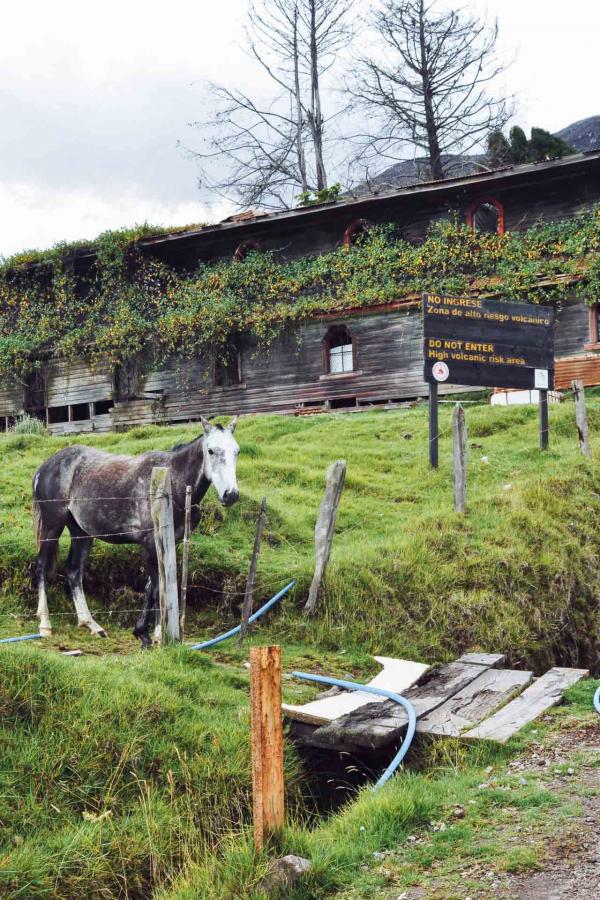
(433, 425)
(487, 343)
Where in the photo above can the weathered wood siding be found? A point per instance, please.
(282, 378)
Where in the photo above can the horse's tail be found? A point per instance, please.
(37, 524)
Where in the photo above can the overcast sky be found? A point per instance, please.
(94, 97)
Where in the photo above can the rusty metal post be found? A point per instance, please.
(267, 743)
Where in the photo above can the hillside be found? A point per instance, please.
(517, 574)
(128, 775)
(582, 135)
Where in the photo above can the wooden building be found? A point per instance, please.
(365, 357)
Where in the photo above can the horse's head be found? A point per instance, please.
(220, 459)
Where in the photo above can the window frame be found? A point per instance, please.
(594, 327)
(492, 201)
(357, 225)
(327, 348)
(234, 347)
(242, 250)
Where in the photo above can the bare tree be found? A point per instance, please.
(267, 151)
(429, 85)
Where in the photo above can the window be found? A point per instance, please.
(595, 325)
(126, 380)
(80, 412)
(35, 393)
(58, 414)
(356, 231)
(338, 347)
(486, 215)
(245, 248)
(102, 407)
(228, 366)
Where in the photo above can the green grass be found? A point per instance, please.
(407, 575)
(128, 775)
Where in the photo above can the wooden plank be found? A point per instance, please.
(267, 742)
(542, 695)
(491, 660)
(377, 725)
(475, 702)
(397, 675)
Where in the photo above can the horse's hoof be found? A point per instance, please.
(45, 631)
(100, 633)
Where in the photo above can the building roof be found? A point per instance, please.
(486, 181)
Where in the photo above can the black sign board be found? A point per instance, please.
(488, 343)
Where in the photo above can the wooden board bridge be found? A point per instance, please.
(471, 698)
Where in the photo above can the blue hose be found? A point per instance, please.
(259, 612)
(597, 700)
(410, 711)
(25, 637)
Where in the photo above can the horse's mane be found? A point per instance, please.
(193, 441)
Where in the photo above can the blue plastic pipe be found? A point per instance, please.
(597, 700)
(259, 612)
(15, 640)
(355, 686)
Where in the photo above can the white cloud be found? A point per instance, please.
(95, 96)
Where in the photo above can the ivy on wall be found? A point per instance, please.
(124, 303)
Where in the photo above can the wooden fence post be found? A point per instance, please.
(581, 417)
(459, 456)
(161, 504)
(185, 560)
(248, 596)
(267, 742)
(336, 476)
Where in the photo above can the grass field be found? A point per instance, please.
(518, 573)
(128, 775)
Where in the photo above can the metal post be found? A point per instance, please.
(543, 420)
(433, 426)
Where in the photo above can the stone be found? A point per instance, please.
(283, 874)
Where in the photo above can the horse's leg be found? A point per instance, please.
(48, 542)
(81, 544)
(150, 598)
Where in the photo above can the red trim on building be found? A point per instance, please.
(358, 226)
(493, 202)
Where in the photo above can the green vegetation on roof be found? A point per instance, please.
(124, 302)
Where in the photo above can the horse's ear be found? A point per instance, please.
(232, 424)
(206, 425)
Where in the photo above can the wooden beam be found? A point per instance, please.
(185, 562)
(336, 476)
(546, 692)
(161, 504)
(474, 703)
(249, 593)
(581, 416)
(459, 458)
(379, 724)
(267, 743)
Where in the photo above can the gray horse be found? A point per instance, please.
(97, 494)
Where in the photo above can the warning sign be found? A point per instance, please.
(488, 343)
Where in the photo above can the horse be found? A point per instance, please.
(96, 494)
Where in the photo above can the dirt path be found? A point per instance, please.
(572, 864)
